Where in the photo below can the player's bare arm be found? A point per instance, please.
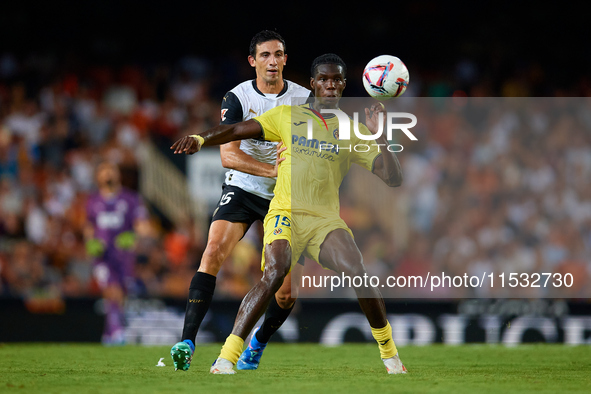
(387, 166)
(218, 135)
(236, 159)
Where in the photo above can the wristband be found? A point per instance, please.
(199, 139)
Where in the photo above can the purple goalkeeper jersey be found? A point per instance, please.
(109, 218)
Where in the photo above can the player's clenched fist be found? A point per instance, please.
(188, 144)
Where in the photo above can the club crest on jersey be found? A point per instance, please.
(335, 134)
(277, 231)
(224, 112)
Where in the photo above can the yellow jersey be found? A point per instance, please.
(308, 180)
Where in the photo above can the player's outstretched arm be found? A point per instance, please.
(386, 166)
(218, 135)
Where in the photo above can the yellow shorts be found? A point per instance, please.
(304, 232)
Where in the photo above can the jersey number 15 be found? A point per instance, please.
(284, 221)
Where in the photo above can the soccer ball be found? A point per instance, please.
(385, 77)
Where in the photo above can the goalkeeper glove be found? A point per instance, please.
(125, 240)
(94, 247)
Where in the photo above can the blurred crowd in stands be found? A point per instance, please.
(55, 126)
(489, 186)
(493, 185)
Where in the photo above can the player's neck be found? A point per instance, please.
(109, 191)
(270, 88)
(318, 105)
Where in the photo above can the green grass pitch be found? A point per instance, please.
(302, 368)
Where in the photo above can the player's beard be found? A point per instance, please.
(272, 79)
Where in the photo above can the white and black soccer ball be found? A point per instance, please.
(385, 77)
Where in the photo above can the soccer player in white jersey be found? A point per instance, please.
(246, 194)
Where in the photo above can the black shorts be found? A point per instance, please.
(239, 206)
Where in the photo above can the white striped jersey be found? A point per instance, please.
(244, 102)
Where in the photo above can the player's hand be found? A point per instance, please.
(279, 159)
(94, 247)
(188, 145)
(372, 117)
(125, 240)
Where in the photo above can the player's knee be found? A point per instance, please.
(285, 300)
(275, 274)
(357, 270)
(273, 277)
(113, 293)
(212, 259)
(277, 263)
(288, 293)
(353, 266)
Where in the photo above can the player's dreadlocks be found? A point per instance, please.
(328, 58)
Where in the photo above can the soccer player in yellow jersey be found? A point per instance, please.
(246, 194)
(304, 216)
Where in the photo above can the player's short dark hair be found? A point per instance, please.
(264, 36)
(327, 58)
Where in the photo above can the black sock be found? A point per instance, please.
(200, 295)
(274, 318)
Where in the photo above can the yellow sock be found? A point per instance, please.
(232, 348)
(385, 342)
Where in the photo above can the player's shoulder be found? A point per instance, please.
(243, 89)
(297, 89)
(232, 105)
(238, 94)
(276, 112)
(93, 196)
(128, 194)
(295, 94)
(94, 202)
(90, 201)
(304, 108)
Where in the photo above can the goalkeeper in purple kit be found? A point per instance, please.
(113, 214)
